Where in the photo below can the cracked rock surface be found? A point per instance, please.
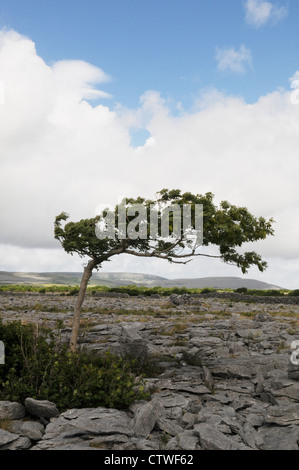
(226, 383)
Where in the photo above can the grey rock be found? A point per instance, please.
(283, 415)
(176, 299)
(241, 391)
(63, 444)
(33, 430)
(142, 444)
(281, 386)
(186, 440)
(280, 438)
(11, 410)
(109, 441)
(101, 328)
(263, 317)
(212, 439)
(187, 420)
(255, 419)
(169, 426)
(22, 443)
(293, 371)
(41, 408)
(251, 437)
(173, 400)
(248, 367)
(147, 416)
(248, 334)
(96, 421)
(237, 347)
(57, 427)
(133, 344)
(208, 378)
(232, 368)
(130, 334)
(7, 437)
(11, 441)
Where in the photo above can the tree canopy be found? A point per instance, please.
(172, 226)
(226, 226)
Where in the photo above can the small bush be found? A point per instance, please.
(294, 292)
(265, 292)
(39, 366)
(74, 291)
(241, 290)
(206, 290)
(274, 292)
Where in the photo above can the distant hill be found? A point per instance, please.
(219, 283)
(126, 279)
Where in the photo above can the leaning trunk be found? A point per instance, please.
(81, 296)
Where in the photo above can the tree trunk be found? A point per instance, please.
(81, 296)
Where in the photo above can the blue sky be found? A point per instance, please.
(167, 45)
(101, 99)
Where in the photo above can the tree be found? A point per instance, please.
(166, 227)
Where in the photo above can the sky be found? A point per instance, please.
(105, 99)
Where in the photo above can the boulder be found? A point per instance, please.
(211, 438)
(147, 416)
(41, 408)
(11, 441)
(11, 410)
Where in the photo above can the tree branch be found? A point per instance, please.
(156, 255)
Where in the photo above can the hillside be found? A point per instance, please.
(125, 279)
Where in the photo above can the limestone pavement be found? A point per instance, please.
(226, 380)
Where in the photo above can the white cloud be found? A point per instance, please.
(60, 153)
(77, 77)
(259, 12)
(232, 60)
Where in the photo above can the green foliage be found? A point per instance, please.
(264, 292)
(227, 227)
(206, 290)
(294, 292)
(73, 291)
(34, 288)
(38, 366)
(134, 290)
(241, 290)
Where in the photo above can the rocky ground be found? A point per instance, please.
(228, 374)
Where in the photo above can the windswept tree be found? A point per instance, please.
(173, 227)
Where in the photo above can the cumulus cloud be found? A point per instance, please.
(260, 12)
(232, 60)
(77, 77)
(59, 152)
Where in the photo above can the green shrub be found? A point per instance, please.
(265, 292)
(241, 290)
(39, 366)
(274, 292)
(206, 290)
(294, 292)
(74, 291)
